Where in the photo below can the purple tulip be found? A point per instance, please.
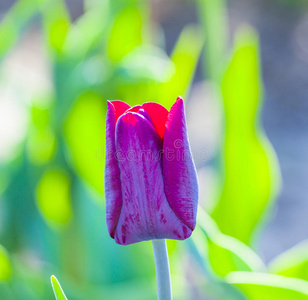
(151, 185)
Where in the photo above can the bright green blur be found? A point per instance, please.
(85, 137)
(5, 265)
(53, 196)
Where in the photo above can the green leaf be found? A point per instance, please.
(53, 197)
(140, 73)
(84, 131)
(213, 15)
(5, 265)
(57, 289)
(218, 290)
(250, 166)
(145, 63)
(41, 142)
(95, 4)
(185, 57)
(14, 22)
(56, 23)
(126, 33)
(86, 33)
(264, 286)
(4, 179)
(223, 253)
(29, 282)
(293, 262)
(41, 146)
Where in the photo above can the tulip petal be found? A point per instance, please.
(119, 108)
(158, 115)
(113, 193)
(145, 114)
(145, 213)
(134, 108)
(180, 178)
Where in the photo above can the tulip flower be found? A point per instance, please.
(151, 185)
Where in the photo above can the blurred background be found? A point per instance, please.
(241, 67)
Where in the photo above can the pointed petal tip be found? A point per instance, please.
(118, 107)
(110, 105)
(179, 103)
(179, 98)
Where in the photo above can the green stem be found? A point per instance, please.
(162, 270)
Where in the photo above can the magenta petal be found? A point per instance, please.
(180, 179)
(158, 115)
(119, 107)
(134, 108)
(145, 213)
(113, 193)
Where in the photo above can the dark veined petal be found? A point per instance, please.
(145, 212)
(158, 115)
(113, 192)
(180, 178)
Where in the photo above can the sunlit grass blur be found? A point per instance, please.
(56, 75)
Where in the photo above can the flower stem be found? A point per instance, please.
(162, 270)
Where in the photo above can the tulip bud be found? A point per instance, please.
(151, 185)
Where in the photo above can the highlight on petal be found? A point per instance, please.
(145, 212)
(179, 174)
(158, 115)
(113, 193)
(146, 115)
(133, 109)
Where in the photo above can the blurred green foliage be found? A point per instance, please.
(250, 170)
(267, 286)
(292, 263)
(85, 138)
(213, 17)
(52, 193)
(225, 253)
